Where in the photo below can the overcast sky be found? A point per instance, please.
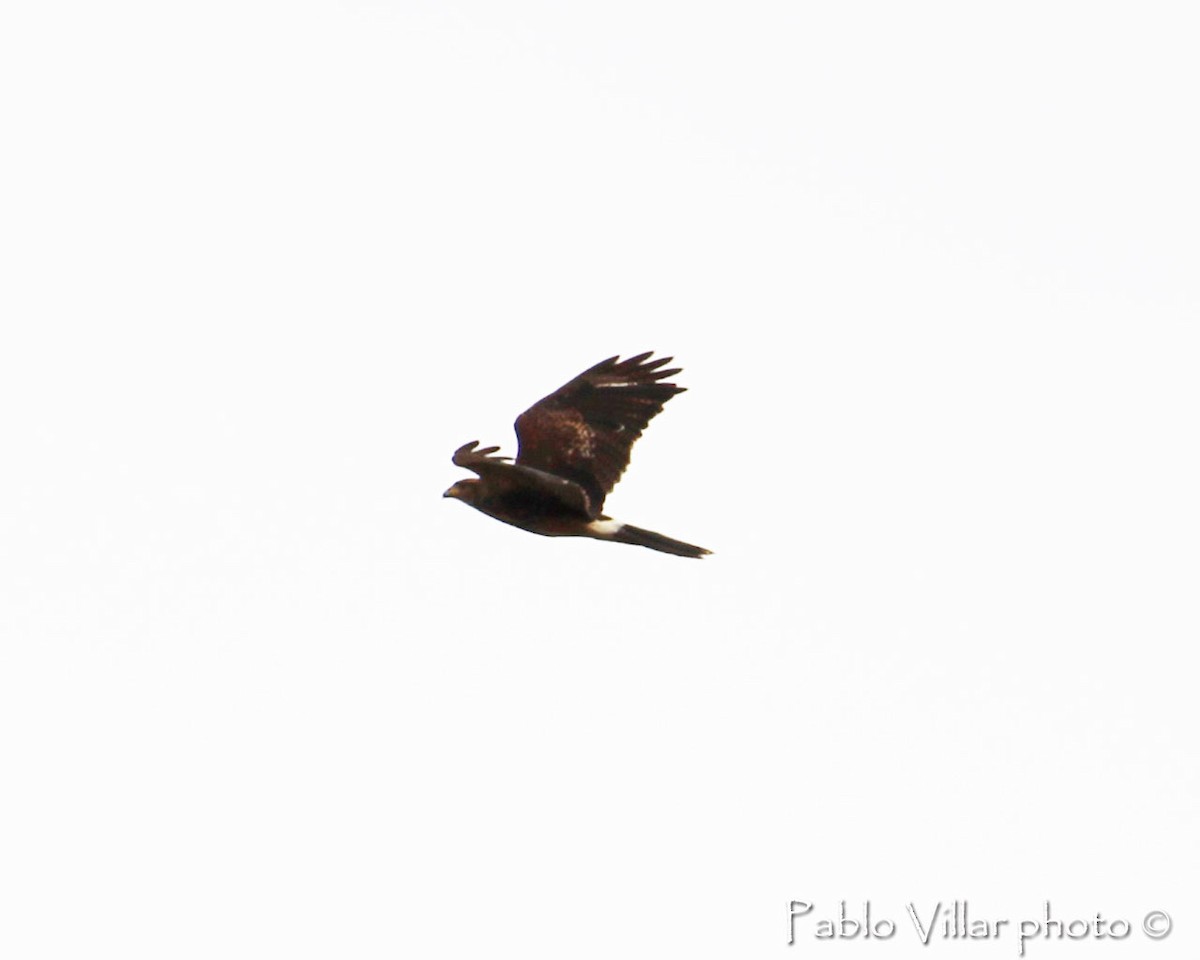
(931, 272)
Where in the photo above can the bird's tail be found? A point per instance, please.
(627, 533)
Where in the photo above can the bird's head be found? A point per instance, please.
(464, 490)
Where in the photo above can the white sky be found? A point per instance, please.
(931, 270)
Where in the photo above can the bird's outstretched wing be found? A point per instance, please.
(505, 477)
(585, 429)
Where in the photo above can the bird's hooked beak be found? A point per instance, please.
(452, 492)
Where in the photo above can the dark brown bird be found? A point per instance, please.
(572, 448)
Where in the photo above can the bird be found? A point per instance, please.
(572, 447)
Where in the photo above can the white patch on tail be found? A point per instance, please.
(605, 528)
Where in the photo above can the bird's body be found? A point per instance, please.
(521, 508)
(573, 447)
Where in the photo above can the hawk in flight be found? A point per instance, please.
(572, 448)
